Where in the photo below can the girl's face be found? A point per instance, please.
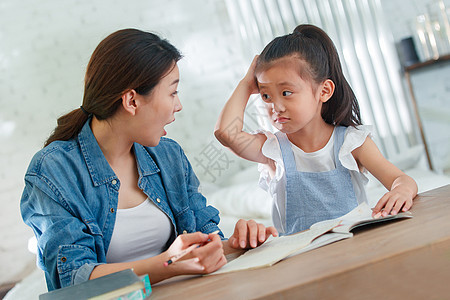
(291, 102)
(158, 108)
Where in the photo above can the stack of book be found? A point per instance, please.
(122, 285)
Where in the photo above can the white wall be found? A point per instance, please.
(45, 46)
(44, 49)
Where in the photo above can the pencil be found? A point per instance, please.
(184, 252)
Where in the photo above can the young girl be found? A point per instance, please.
(313, 166)
(108, 192)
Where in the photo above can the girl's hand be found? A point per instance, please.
(249, 234)
(398, 199)
(206, 258)
(250, 79)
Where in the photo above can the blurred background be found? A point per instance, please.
(45, 47)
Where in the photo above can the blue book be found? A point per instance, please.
(123, 285)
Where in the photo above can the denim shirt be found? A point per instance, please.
(71, 194)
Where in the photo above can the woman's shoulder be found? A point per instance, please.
(56, 153)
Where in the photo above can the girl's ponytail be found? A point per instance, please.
(342, 108)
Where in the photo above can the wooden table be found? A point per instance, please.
(404, 259)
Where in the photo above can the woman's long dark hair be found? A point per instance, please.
(127, 59)
(312, 45)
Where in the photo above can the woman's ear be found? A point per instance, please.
(129, 102)
(327, 90)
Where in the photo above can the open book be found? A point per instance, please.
(319, 234)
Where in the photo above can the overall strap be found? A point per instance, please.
(339, 134)
(286, 152)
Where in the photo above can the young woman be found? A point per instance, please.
(108, 191)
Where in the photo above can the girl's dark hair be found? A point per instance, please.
(127, 59)
(313, 46)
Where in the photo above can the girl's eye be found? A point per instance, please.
(175, 93)
(265, 97)
(287, 93)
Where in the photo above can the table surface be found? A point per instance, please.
(386, 260)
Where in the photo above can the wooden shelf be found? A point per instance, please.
(430, 62)
(407, 71)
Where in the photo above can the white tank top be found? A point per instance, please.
(139, 232)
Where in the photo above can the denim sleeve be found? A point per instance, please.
(66, 245)
(206, 216)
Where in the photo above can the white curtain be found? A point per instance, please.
(366, 49)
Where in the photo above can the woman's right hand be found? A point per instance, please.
(207, 258)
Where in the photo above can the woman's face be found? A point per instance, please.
(158, 108)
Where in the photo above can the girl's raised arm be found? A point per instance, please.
(229, 126)
(402, 188)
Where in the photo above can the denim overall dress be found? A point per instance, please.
(315, 196)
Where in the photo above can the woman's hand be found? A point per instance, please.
(249, 234)
(206, 258)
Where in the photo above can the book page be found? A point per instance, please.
(323, 240)
(361, 215)
(276, 249)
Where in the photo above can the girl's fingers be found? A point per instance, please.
(397, 207)
(252, 233)
(271, 231)
(261, 233)
(408, 204)
(233, 242)
(241, 232)
(381, 203)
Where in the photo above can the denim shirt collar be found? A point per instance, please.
(99, 168)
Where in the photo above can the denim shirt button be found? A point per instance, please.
(112, 210)
(158, 200)
(184, 231)
(63, 259)
(114, 182)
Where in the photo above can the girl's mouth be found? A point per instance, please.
(281, 120)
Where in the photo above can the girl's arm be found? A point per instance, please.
(229, 126)
(402, 188)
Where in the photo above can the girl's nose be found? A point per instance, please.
(277, 107)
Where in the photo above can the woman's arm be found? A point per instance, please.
(67, 246)
(205, 259)
(402, 188)
(229, 126)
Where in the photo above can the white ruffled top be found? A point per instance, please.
(318, 161)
